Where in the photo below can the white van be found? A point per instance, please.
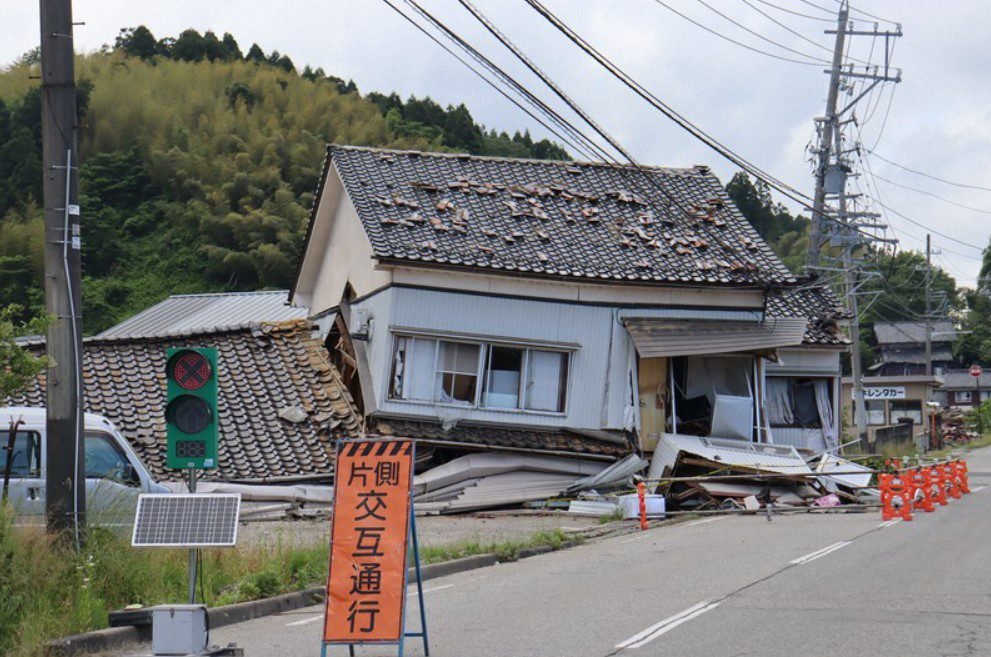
(114, 474)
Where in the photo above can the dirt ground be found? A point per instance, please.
(431, 530)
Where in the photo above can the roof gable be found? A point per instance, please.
(584, 221)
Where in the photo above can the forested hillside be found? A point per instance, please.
(198, 165)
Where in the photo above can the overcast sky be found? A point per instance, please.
(939, 121)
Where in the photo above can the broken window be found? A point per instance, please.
(794, 402)
(503, 376)
(413, 369)
(457, 373)
(513, 378)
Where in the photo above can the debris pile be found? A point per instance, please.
(492, 480)
(698, 473)
(953, 424)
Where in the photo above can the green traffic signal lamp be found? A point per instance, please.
(191, 408)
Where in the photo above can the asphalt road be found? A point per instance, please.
(801, 586)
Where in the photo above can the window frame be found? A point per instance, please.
(134, 480)
(963, 397)
(31, 434)
(482, 371)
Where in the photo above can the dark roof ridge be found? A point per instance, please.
(690, 170)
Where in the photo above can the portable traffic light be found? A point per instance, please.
(191, 410)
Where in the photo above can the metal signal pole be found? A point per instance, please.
(65, 489)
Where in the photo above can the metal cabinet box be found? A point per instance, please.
(179, 629)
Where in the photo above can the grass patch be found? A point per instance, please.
(47, 590)
(505, 550)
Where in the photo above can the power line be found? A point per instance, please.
(668, 111)
(922, 225)
(556, 133)
(818, 62)
(865, 13)
(928, 175)
(760, 36)
(505, 41)
(785, 27)
(935, 196)
(796, 13)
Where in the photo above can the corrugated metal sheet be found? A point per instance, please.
(193, 313)
(739, 453)
(800, 438)
(659, 337)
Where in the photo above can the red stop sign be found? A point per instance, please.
(976, 371)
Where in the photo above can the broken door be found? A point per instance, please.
(652, 386)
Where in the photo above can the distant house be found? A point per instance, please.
(903, 348)
(965, 391)
(561, 306)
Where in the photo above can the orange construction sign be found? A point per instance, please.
(366, 587)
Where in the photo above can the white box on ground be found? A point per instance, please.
(631, 506)
(179, 629)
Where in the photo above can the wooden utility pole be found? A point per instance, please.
(65, 489)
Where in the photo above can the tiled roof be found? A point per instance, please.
(262, 371)
(551, 440)
(915, 353)
(913, 332)
(183, 314)
(819, 305)
(962, 380)
(585, 221)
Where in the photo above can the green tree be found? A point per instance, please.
(137, 42)
(18, 366)
(189, 47)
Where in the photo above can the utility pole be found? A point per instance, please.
(65, 488)
(852, 276)
(929, 315)
(828, 126)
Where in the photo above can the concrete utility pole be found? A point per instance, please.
(852, 279)
(828, 127)
(65, 489)
(929, 316)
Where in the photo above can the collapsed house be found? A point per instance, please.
(573, 309)
(281, 403)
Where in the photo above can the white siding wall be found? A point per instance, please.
(597, 385)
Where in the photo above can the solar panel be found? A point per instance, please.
(199, 520)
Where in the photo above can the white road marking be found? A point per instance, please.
(889, 523)
(305, 621)
(666, 625)
(704, 520)
(436, 588)
(818, 554)
(978, 489)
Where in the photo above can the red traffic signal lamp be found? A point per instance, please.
(191, 409)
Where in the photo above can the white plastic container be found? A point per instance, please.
(631, 506)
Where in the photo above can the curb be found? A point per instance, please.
(115, 638)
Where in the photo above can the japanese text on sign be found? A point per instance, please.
(887, 392)
(366, 589)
